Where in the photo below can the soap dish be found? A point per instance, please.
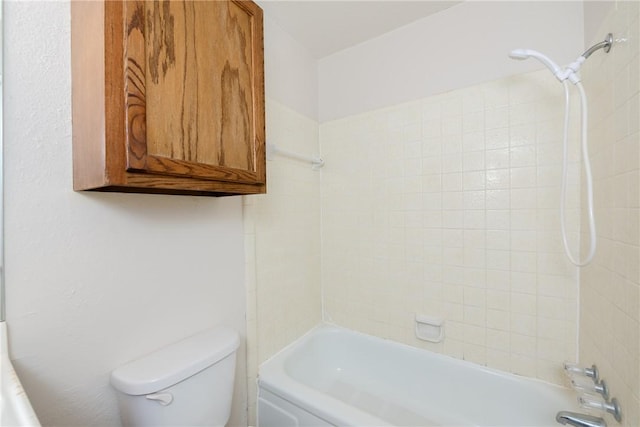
(429, 328)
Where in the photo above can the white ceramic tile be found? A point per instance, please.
(451, 125)
(451, 143)
(497, 118)
(498, 199)
(497, 158)
(609, 299)
(282, 243)
(473, 245)
(473, 141)
(452, 163)
(496, 138)
(497, 179)
(452, 182)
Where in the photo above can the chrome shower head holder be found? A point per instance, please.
(570, 72)
(604, 45)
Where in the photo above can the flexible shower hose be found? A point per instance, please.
(587, 171)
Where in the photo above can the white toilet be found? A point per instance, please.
(189, 383)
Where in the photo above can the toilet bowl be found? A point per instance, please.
(188, 383)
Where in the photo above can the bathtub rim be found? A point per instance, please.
(325, 326)
(303, 396)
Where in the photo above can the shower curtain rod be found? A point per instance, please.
(273, 149)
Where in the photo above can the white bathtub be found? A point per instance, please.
(334, 376)
(15, 407)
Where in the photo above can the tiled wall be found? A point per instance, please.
(449, 207)
(610, 286)
(282, 245)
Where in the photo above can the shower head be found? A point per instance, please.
(521, 54)
(571, 71)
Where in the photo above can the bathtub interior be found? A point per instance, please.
(343, 370)
(407, 387)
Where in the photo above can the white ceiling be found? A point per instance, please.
(326, 27)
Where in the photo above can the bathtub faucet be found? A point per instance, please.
(579, 420)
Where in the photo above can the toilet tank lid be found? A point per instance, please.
(176, 362)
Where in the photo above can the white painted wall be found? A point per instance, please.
(291, 73)
(433, 55)
(95, 280)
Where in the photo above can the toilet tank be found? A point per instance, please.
(188, 383)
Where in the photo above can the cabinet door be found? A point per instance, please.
(194, 89)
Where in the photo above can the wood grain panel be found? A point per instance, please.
(179, 185)
(199, 55)
(88, 107)
(114, 95)
(236, 115)
(257, 54)
(134, 81)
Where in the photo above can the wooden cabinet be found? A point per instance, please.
(168, 97)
